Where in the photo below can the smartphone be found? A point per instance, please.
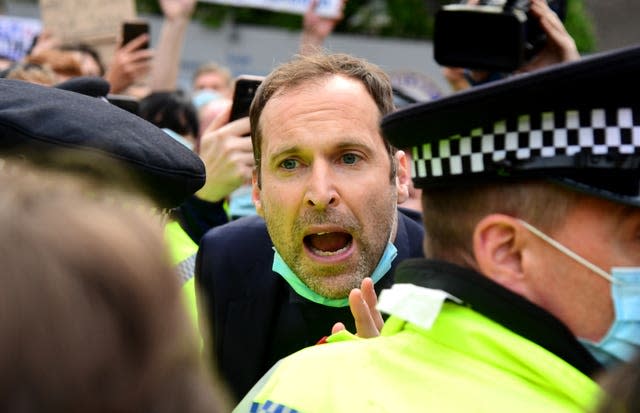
(243, 92)
(133, 29)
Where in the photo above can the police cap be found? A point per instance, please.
(37, 120)
(577, 124)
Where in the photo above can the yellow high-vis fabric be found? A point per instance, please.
(464, 363)
(183, 256)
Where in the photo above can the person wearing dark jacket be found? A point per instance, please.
(327, 186)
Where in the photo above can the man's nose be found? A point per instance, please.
(321, 190)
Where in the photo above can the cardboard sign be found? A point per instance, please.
(85, 20)
(94, 22)
(327, 8)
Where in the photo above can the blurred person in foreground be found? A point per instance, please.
(531, 206)
(92, 318)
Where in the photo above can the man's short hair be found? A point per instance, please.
(450, 214)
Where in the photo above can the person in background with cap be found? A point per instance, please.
(531, 203)
(327, 187)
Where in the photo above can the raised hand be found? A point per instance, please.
(175, 9)
(226, 151)
(129, 64)
(362, 302)
(316, 28)
(560, 46)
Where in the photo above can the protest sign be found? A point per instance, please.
(95, 22)
(17, 35)
(327, 8)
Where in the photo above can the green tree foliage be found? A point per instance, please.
(411, 19)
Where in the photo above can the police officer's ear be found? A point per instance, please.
(403, 176)
(499, 248)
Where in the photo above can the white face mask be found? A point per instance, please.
(622, 341)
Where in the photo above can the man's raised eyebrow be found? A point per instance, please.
(285, 150)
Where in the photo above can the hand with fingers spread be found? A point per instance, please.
(560, 46)
(130, 63)
(362, 302)
(225, 149)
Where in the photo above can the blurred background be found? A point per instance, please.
(395, 34)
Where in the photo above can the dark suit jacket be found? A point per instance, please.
(254, 317)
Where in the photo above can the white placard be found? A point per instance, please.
(17, 35)
(327, 8)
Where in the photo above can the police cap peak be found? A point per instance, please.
(37, 120)
(577, 124)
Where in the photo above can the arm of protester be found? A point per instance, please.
(362, 302)
(316, 28)
(226, 151)
(46, 40)
(166, 62)
(129, 64)
(560, 46)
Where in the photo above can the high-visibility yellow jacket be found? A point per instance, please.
(465, 363)
(183, 255)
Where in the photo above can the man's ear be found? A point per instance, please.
(403, 176)
(255, 192)
(498, 242)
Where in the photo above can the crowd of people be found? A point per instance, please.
(478, 252)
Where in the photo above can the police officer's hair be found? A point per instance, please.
(91, 315)
(450, 214)
(315, 69)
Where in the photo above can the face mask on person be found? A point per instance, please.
(622, 340)
(281, 267)
(241, 202)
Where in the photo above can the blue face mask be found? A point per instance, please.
(204, 97)
(241, 202)
(622, 341)
(281, 267)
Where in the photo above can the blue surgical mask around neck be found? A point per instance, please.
(622, 340)
(281, 267)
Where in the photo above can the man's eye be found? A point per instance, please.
(350, 158)
(289, 164)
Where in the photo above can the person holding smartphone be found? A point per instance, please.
(131, 62)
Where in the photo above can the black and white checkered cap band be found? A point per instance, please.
(526, 137)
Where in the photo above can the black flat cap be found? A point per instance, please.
(577, 124)
(39, 123)
(87, 85)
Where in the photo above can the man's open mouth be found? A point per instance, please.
(328, 243)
